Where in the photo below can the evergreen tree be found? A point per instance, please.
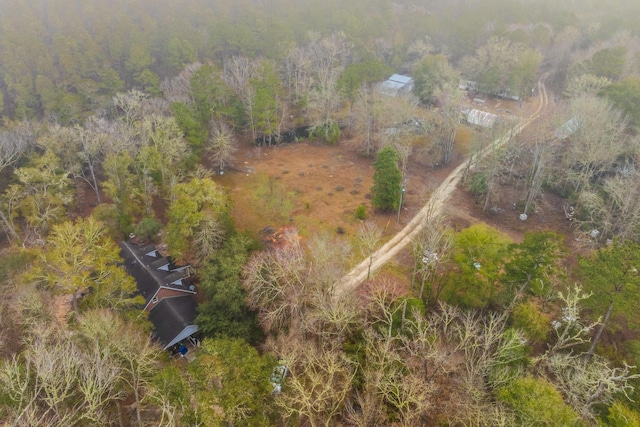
(225, 314)
(387, 180)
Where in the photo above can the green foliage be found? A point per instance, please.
(621, 416)
(509, 359)
(478, 184)
(79, 257)
(530, 320)
(231, 384)
(272, 198)
(147, 228)
(123, 189)
(536, 402)
(195, 203)
(193, 129)
(432, 74)
(14, 262)
(519, 36)
(163, 155)
(524, 73)
(625, 95)
(213, 99)
(501, 66)
(224, 312)
(534, 262)
(406, 309)
(478, 256)
(179, 52)
(387, 180)
(42, 193)
(361, 212)
(149, 82)
(170, 384)
(608, 62)
(611, 274)
(357, 74)
(329, 131)
(267, 104)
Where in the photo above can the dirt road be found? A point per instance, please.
(432, 208)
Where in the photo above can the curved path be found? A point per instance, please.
(431, 209)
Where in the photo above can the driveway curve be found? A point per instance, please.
(349, 282)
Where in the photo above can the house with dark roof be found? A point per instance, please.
(167, 291)
(173, 319)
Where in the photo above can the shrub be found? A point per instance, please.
(531, 321)
(621, 416)
(147, 228)
(478, 184)
(536, 401)
(329, 131)
(361, 212)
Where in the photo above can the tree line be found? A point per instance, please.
(125, 105)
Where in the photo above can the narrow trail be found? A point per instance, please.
(431, 209)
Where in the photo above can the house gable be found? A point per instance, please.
(167, 292)
(153, 272)
(173, 318)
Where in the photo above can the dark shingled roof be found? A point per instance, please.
(144, 269)
(174, 319)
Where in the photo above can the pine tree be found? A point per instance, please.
(387, 180)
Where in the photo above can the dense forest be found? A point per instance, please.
(121, 120)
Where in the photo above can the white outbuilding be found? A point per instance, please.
(396, 84)
(481, 118)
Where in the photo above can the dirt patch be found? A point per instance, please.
(321, 187)
(464, 209)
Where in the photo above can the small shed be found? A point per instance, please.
(396, 85)
(568, 128)
(481, 118)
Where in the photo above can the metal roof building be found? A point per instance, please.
(396, 84)
(481, 118)
(564, 131)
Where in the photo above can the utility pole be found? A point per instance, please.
(401, 197)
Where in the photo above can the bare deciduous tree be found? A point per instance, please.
(586, 384)
(366, 118)
(369, 236)
(16, 142)
(597, 141)
(178, 88)
(276, 286)
(570, 330)
(430, 250)
(130, 105)
(297, 74)
(449, 100)
(613, 209)
(328, 257)
(329, 56)
(222, 145)
(585, 85)
(318, 384)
